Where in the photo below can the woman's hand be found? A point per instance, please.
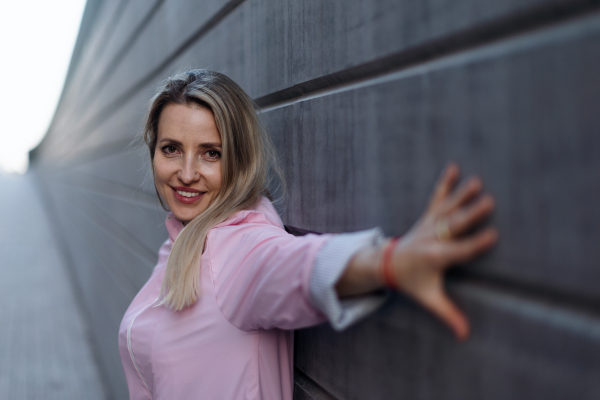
(444, 236)
(441, 238)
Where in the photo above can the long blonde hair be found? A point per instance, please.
(247, 158)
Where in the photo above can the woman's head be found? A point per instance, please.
(187, 160)
(210, 157)
(194, 109)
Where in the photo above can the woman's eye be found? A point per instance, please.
(168, 149)
(213, 154)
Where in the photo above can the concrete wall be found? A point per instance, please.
(366, 101)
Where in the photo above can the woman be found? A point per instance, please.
(214, 319)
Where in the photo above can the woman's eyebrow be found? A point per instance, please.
(173, 141)
(178, 143)
(205, 145)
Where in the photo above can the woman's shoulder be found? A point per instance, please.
(247, 231)
(262, 215)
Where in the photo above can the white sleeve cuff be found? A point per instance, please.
(330, 263)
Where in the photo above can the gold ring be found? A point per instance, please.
(442, 230)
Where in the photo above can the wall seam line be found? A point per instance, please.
(432, 51)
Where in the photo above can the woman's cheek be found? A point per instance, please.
(215, 176)
(161, 176)
(161, 170)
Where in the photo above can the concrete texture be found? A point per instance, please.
(498, 112)
(46, 350)
(521, 348)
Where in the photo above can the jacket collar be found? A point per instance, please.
(174, 227)
(264, 212)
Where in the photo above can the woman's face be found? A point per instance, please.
(187, 159)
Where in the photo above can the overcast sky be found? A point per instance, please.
(36, 41)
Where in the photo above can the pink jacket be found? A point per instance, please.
(234, 342)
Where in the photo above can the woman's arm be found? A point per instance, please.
(444, 236)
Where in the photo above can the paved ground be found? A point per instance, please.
(44, 348)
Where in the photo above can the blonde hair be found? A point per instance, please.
(247, 158)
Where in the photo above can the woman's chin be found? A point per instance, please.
(187, 212)
(185, 216)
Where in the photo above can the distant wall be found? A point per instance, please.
(366, 101)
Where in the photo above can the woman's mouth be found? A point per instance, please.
(186, 195)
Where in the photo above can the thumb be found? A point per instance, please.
(445, 309)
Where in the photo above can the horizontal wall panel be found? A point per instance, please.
(130, 27)
(93, 51)
(272, 45)
(129, 269)
(109, 275)
(117, 190)
(148, 226)
(105, 222)
(110, 358)
(370, 156)
(160, 38)
(518, 349)
(121, 128)
(89, 247)
(96, 47)
(102, 272)
(130, 168)
(173, 25)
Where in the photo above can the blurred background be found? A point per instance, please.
(37, 39)
(366, 101)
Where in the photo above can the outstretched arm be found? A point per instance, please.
(441, 238)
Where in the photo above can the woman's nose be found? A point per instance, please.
(189, 171)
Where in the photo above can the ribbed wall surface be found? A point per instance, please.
(366, 101)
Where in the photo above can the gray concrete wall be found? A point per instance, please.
(366, 101)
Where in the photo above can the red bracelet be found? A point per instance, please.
(386, 270)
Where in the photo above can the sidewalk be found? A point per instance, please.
(44, 348)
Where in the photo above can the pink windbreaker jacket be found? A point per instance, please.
(234, 343)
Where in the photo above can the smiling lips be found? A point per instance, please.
(187, 195)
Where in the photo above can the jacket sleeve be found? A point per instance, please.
(329, 265)
(262, 274)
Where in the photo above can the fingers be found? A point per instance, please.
(453, 211)
(445, 184)
(464, 250)
(441, 306)
(465, 219)
(465, 192)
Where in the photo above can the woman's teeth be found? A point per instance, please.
(188, 194)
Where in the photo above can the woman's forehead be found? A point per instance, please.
(185, 124)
